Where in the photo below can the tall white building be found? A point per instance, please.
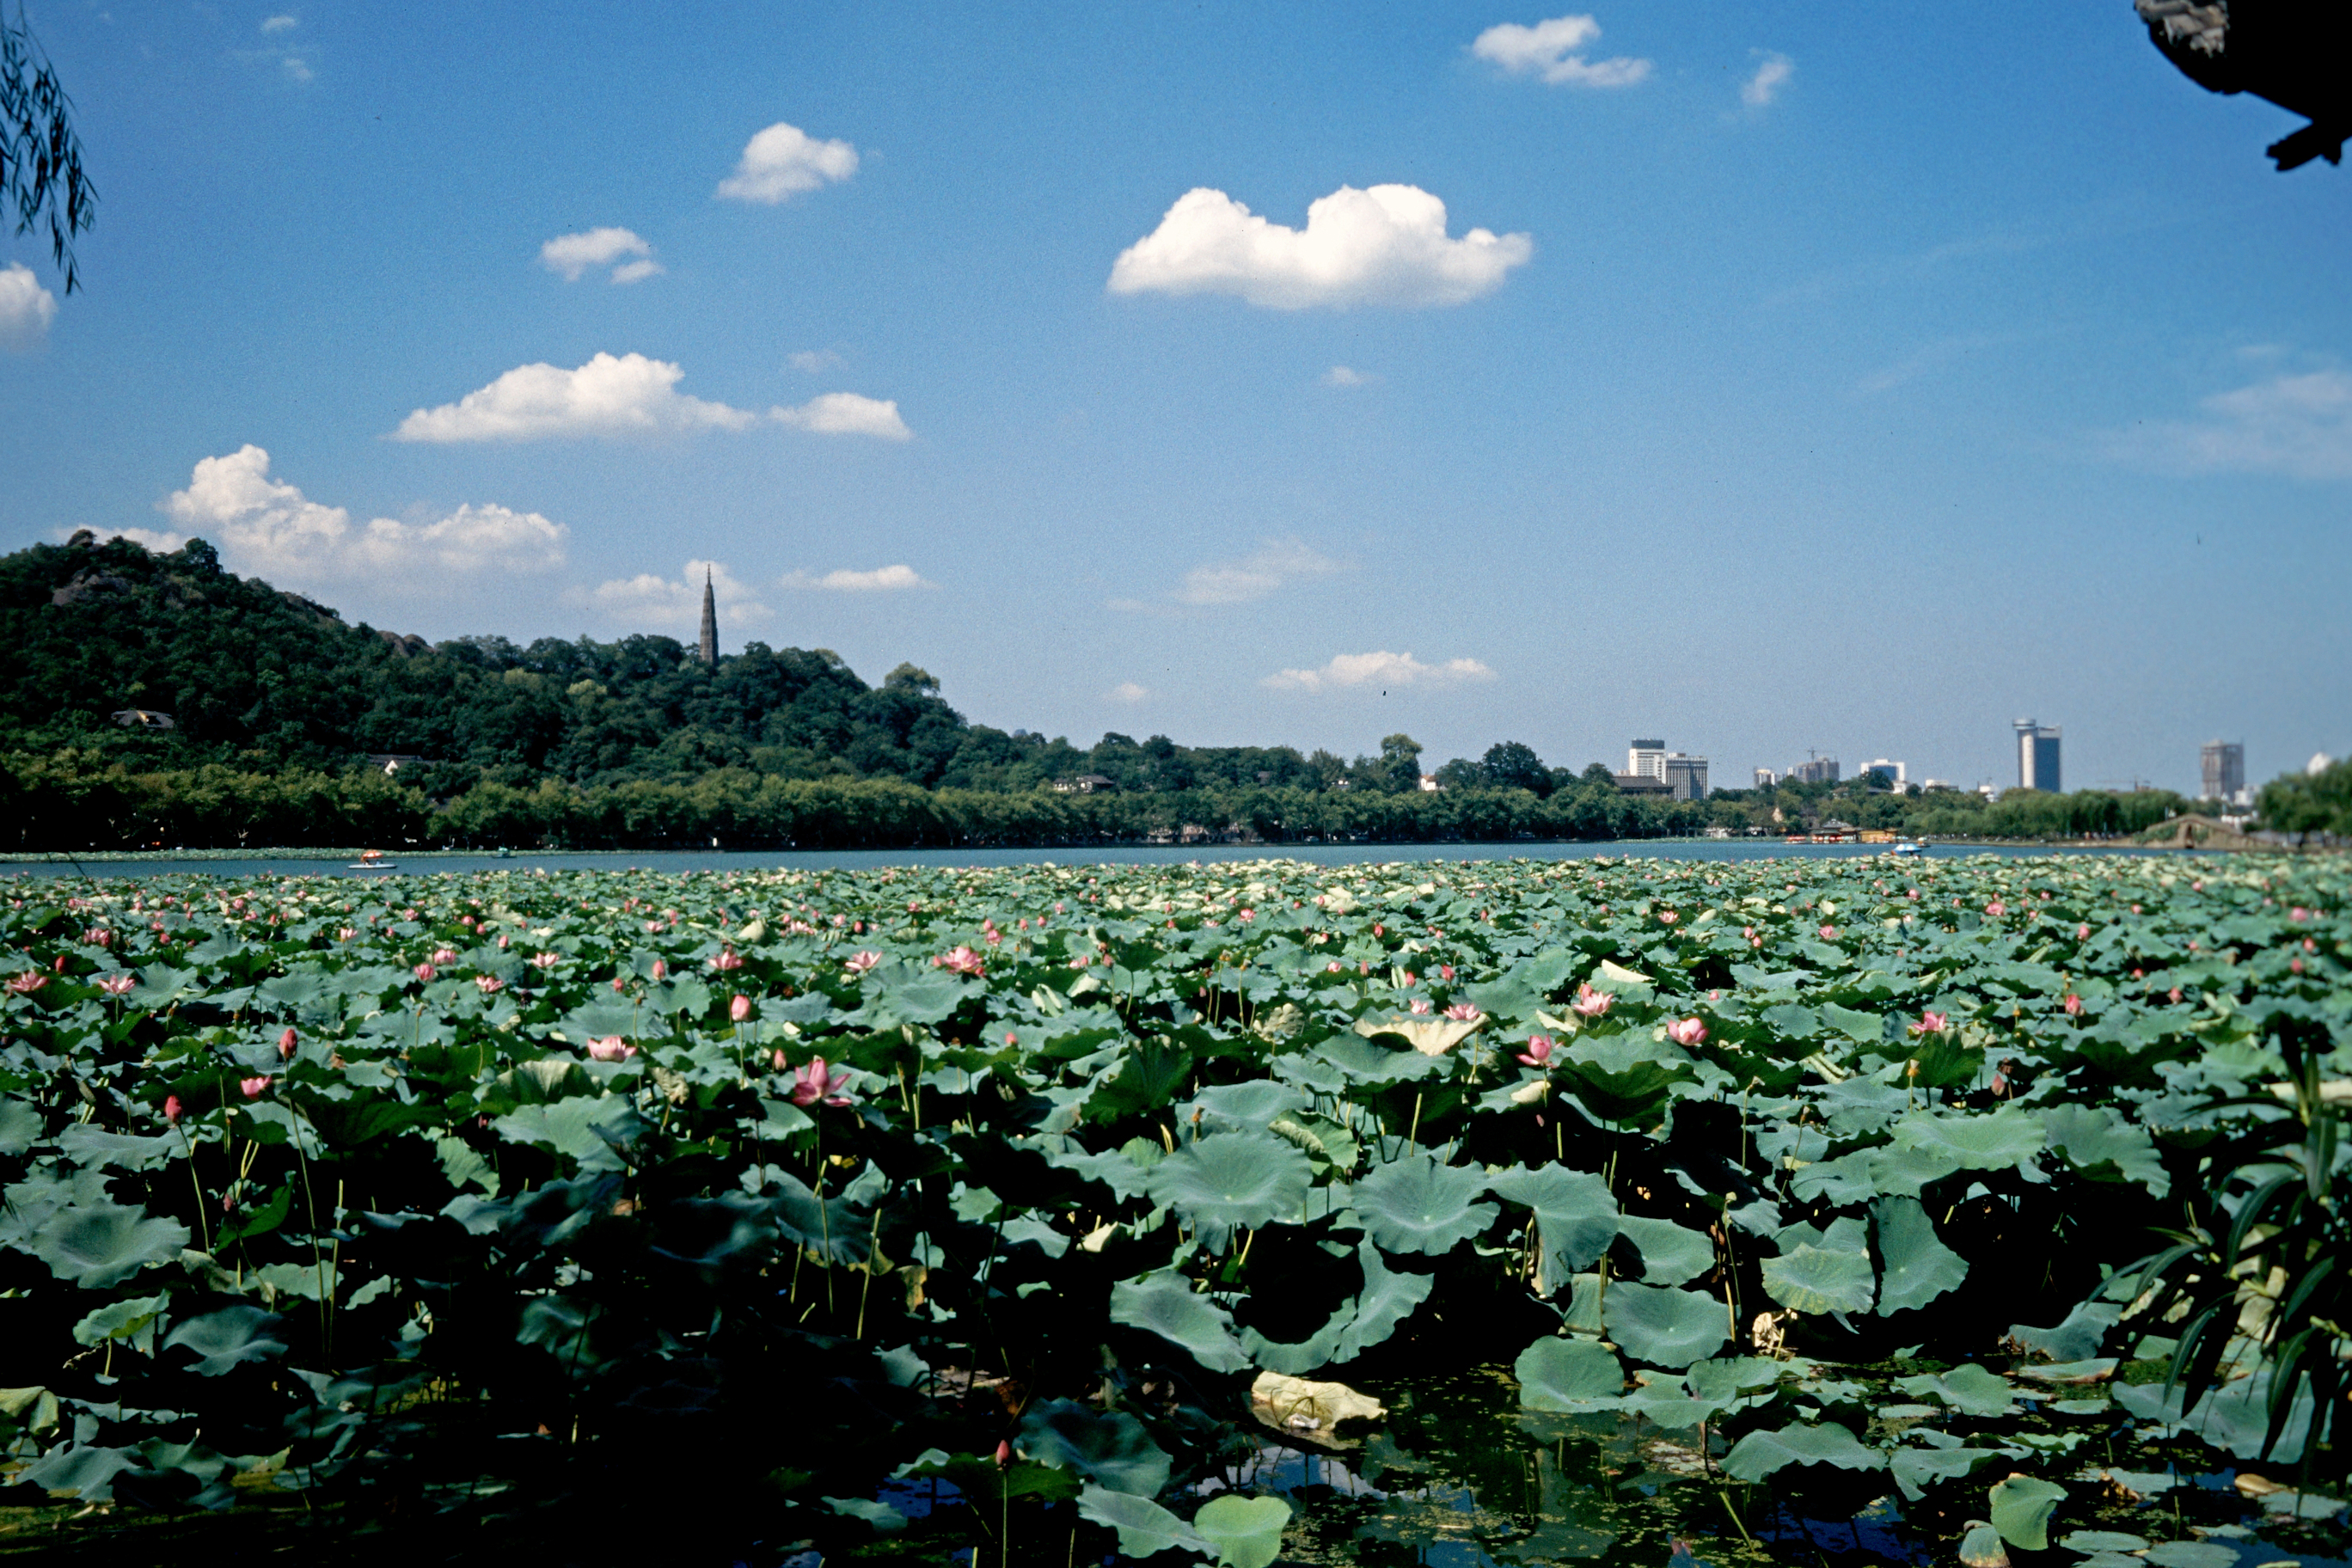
(2037, 755)
(1646, 759)
(1766, 778)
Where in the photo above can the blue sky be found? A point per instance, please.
(1782, 378)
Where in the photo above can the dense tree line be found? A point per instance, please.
(276, 706)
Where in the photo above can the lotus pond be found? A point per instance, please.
(1620, 1210)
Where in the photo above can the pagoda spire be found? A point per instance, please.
(708, 651)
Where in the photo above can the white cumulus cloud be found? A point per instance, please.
(280, 24)
(1340, 376)
(25, 308)
(1386, 246)
(784, 160)
(2299, 424)
(573, 254)
(881, 580)
(1771, 75)
(1383, 670)
(1128, 692)
(627, 395)
(1274, 566)
(1555, 50)
(649, 599)
(846, 414)
(269, 528)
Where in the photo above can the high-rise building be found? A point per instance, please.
(708, 651)
(1684, 774)
(1815, 769)
(1889, 773)
(1766, 778)
(2224, 769)
(1646, 759)
(2037, 755)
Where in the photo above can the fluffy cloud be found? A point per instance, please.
(1128, 692)
(1340, 376)
(280, 24)
(846, 414)
(1383, 670)
(881, 580)
(1554, 50)
(1274, 566)
(630, 395)
(812, 360)
(1771, 75)
(573, 254)
(649, 600)
(1386, 246)
(2296, 425)
(25, 308)
(784, 160)
(269, 528)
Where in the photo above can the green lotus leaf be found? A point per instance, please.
(2007, 1137)
(1366, 1062)
(1167, 1305)
(1112, 1448)
(1364, 1320)
(1251, 1104)
(2191, 1554)
(584, 1127)
(2088, 1541)
(21, 1124)
(1825, 1271)
(1323, 1140)
(1625, 1076)
(132, 1320)
(1918, 1266)
(1671, 1254)
(84, 1469)
(1232, 1179)
(1760, 1454)
(1576, 1219)
(1665, 1327)
(883, 1518)
(1557, 1372)
(1143, 1526)
(1967, 1388)
(2103, 1146)
(2020, 1510)
(1415, 1204)
(1982, 1547)
(96, 1245)
(223, 1340)
(1243, 1532)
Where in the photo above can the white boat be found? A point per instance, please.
(370, 860)
(1906, 848)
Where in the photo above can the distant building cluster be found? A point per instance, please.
(1651, 769)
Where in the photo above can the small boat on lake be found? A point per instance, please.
(1907, 850)
(370, 860)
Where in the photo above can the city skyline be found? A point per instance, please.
(1243, 379)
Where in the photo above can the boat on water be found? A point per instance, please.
(370, 860)
(1906, 848)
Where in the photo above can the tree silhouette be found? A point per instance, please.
(40, 156)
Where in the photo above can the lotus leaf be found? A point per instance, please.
(1625, 1076)
(1916, 1469)
(1416, 1204)
(1576, 1218)
(1243, 1532)
(1982, 1547)
(1562, 1373)
(1143, 1526)
(1167, 1305)
(1762, 1453)
(1251, 1104)
(1665, 1327)
(1918, 1266)
(1232, 1179)
(100, 1244)
(224, 1338)
(2190, 1555)
(1823, 1270)
(1671, 1254)
(1111, 1449)
(2007, 1137)
(2102, 1146)
(1430, 1036)
(2022, 1507)
(1294, 1404)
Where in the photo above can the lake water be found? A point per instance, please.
(428, 863)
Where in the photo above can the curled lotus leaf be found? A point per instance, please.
(1559, 1373)
(1143, 1526)
(1825, 1271)
(1430, 1036)
(1918, 1266)
(1671, 1254)
(1243, 1532)
(1166, 1304)
(223, 1340)
(2022, 1507)
(1576, 1218)
(1760, 1454)
(1110, 1448)
(1233, 1179)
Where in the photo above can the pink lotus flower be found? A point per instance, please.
(2297, 914)
(727, 960)
(503, 939)
(24, 984)
(1464, 1013)
(1538, 1051)
(117, 984)
(962, 961)
(487, 984)
(1666, 916)
(1829, 933)
(101, 937)
(619, 984)
(2310, 944)
(1996, 909)
(1408, 979)
(286, 1045)
(1931, 1022)
(1421, 1005)
(1248, 915)
(2295, 965)
(425, 972)
(345, 933)
(171, 1109)
(546, 960)
(739, 1008)
(253, 1087)
(442, 955)
(1687, 1031)
(2173, 996)
(1446, 972)
(661, 969)
(611, 1048)
(813, 1083)
(1590, 1003)
(1333, 967)
(2135, 909)
(2074, 1006)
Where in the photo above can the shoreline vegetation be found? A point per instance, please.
(151, 701)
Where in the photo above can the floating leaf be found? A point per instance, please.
(1243, 1532)
(1671, 1254)
(1665, 1327)
(2022, 1507)
(1561, 1374)
(1762, 1453)
(1415, 1204)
